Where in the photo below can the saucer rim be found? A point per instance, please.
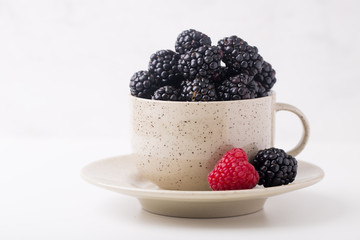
(182, 195)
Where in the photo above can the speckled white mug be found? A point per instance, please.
(178, 143)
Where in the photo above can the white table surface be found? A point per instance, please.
(44, 197)
(64, 73)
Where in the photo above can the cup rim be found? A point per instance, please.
(271, 94)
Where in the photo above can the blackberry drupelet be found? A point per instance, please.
(142, 84)
(167, 93)
(191, 39)
(241, 86)
(225, 73)
(275, 167)
(261, 91)
(202, 62)
(199, 89)
(163, 66)
(239, 55)
(267, 76)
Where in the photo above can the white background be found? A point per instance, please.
(64, 73)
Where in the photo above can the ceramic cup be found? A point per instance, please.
(178, 143)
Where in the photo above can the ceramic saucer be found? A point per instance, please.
(119, 174)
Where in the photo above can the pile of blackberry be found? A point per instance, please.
(200, 71)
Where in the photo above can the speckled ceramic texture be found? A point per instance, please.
(178, 143)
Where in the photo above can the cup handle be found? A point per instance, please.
(306, 128)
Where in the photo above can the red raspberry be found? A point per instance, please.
(233, 172)
(236, 153)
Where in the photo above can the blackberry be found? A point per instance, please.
(199, 89)
(142, 84)
(167, 93)
(202, 62)
(261, 90)
(191, 39)
(275, 167)
(238, 87)
(163, 65)
(239, 55)
(267, 76)
(225, 73)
